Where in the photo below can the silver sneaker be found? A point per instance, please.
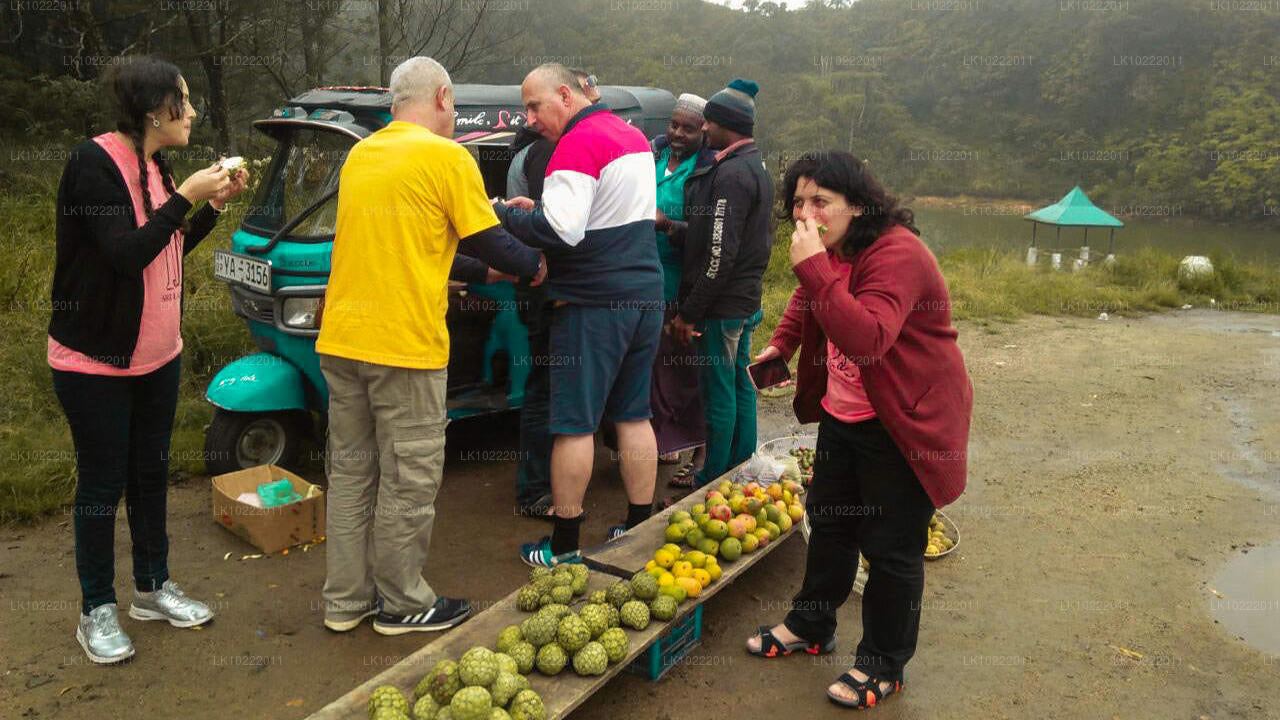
(169, 603)
(100, 635)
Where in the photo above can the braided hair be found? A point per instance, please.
(138, 86)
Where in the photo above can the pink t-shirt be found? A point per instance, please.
(159, 334)
(846, 399)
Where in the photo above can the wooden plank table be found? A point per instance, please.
(560, 693)
(628, 554)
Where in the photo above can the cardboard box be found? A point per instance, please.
(268, 529)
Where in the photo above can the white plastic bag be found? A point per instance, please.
(761, 468)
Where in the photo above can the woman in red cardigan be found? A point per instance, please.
(881, 373)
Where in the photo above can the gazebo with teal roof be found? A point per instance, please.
(1075, 209)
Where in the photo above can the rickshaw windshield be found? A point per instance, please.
(306, 166)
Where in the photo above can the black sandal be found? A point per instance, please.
(683, 478)
(867, 692)
(771, 647)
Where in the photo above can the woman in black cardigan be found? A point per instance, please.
(114, 343)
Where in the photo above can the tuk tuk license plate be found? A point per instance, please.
(247, 271)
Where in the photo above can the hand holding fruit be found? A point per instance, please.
(239, 178)
(205, 184)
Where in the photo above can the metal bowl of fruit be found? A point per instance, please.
(944, 536)
(800, 447)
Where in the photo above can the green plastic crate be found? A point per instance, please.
(670, 647)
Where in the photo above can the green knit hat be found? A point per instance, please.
(734, 107)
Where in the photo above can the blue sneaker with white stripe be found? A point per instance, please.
(538, 554)
(616, 532)
(444, 614)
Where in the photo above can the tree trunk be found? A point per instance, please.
(199, 23)
(384, 42)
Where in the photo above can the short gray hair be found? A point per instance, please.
(555, 75)
(417, 79)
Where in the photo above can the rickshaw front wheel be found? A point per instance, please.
(238, 440)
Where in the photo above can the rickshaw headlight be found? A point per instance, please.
(300, 312)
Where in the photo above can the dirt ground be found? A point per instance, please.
(1116, 467)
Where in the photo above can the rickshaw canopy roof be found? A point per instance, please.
(487, 108)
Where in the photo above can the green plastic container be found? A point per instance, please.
(670, 647)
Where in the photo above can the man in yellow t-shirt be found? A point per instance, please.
(409, 196)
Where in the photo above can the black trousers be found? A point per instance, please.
(864, 497)
(121, 428)
(533, 471)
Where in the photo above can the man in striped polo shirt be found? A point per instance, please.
(595, 223)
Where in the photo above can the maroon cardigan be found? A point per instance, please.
(894, 320)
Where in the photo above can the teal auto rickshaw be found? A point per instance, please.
(269, 403)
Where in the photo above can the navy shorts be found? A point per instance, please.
(601, 362)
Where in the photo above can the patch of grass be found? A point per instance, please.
(37, 459)
(988, 285)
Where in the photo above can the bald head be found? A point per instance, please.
(552, 96)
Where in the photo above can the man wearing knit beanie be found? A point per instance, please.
(726, 250)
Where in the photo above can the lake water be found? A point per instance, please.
(944, 228)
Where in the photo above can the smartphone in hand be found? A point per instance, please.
(767, 373)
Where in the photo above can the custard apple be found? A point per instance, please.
(442, 682)
(635, 615)
(596, 617)
(523, 653)
(528, 598)
(527, 705)
(592, 659)
(551, 659)
(387, 697)
(426, 708)
(663, 607)
(572, 634)
(504, 688)
(471, 703)
(539, 629)
(506, 662)
(477, 667)
(618, 593)
(616, 644)
(644, 585)
(508, 636)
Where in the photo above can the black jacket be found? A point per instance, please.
(726, 237)
(101, 253)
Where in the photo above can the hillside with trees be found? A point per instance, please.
(1139, 101)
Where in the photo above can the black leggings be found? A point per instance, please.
(121, 428)
(864, 497)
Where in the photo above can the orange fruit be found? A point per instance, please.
(692, 587)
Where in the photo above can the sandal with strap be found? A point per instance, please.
(867, 692)
(771, 647)
(683, 478)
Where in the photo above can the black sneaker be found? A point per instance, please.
(446, 613)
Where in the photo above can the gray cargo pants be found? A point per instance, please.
(384, 463)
